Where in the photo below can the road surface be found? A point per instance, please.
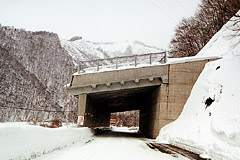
(112, 145)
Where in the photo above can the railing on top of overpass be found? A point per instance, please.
(124, 61)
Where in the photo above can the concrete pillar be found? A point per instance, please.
(155, 112)
(94, 116)
(82, 103)
(149, 115)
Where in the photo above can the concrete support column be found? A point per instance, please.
(149, 115)
(94, 116)
(82, 103)
(155, 112)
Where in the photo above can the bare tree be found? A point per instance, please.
(192, 34)
(127, 118)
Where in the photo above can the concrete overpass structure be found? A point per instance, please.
(159, 92)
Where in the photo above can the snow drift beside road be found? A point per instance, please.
(22, 141)
(212, 129)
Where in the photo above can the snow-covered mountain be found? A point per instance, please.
(126, 48)
(82, 50)
(210, 121)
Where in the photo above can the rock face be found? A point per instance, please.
(34, 69)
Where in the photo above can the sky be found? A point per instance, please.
(150, 21)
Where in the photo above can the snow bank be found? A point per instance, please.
(125, 129)
(210, 121)
(23, 141)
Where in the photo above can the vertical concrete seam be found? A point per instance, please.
(168, 84)
(71, 80)
(168, 72)
(167, 94)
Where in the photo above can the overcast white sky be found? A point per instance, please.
(150, 21)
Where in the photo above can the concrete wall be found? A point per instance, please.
(165, 104)
(118, 80)
(99, 78)
(174, 95)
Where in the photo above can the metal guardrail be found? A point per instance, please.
(117, 62)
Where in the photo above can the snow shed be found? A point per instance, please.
(159, 92)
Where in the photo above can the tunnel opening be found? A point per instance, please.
(140, 102)
(125, 119)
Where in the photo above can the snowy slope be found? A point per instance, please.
(23, 141)
(212, 129)
(82, 50)
(126, 48)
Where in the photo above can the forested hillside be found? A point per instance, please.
(34, 70)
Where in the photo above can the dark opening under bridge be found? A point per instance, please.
(158, 91)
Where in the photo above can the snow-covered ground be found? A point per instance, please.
(210, 121)
(19, 140)
(120, 144)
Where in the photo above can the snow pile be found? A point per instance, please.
(23, 141)
(210, 121)
(125, 129)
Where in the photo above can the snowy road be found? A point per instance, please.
(112, 145)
